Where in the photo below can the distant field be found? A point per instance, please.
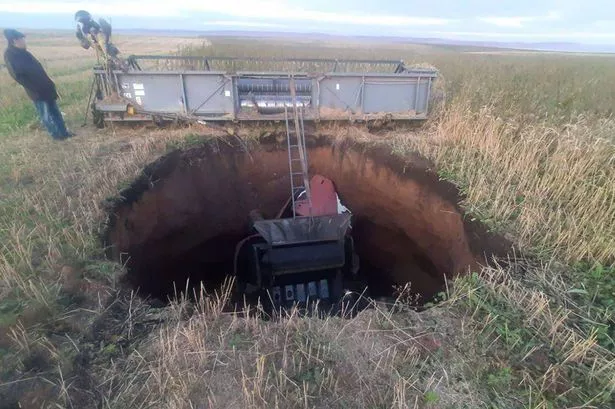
(528, 138)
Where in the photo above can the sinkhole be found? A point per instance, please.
(182, 219)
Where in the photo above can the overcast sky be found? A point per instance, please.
(590, 21)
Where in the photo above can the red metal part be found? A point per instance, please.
(324, 198)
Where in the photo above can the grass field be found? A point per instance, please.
(529, 138)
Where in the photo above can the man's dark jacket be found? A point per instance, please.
(27, 71)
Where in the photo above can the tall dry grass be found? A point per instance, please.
(56, 212)
(550, 188)
(211, 359)
(552, 342)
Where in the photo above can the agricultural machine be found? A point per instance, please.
(305, 255)
(213, 89)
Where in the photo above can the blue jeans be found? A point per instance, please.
(51, 117)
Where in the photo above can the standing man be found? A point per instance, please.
(29, 73)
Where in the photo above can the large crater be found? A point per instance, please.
(182, 219)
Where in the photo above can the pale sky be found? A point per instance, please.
(591, 21)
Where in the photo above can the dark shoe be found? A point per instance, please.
(63, 137)
(68, 135)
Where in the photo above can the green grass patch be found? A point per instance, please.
(14, 117)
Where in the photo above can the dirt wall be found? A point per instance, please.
(193, 205)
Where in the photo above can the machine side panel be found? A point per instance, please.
(339, 95)
(152, 93)
(386, 95)
(209, 94)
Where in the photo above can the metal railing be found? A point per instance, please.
(235, 64)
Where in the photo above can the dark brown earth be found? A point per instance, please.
(182, 218)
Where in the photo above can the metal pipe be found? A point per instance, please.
(183, 88)
(313, 60)
(260, 74)
(87, 107)
(428, 96)
(416, 95)
(363, 95)
(317, 97)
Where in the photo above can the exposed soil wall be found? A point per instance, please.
(184, 217)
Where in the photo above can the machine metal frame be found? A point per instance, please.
(253, 89)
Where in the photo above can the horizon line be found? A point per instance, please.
(495, 43)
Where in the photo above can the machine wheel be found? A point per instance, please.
(98, 118)
(158, 121)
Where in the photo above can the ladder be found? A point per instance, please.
(297, 153)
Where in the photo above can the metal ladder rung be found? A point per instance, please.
(298, 167)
